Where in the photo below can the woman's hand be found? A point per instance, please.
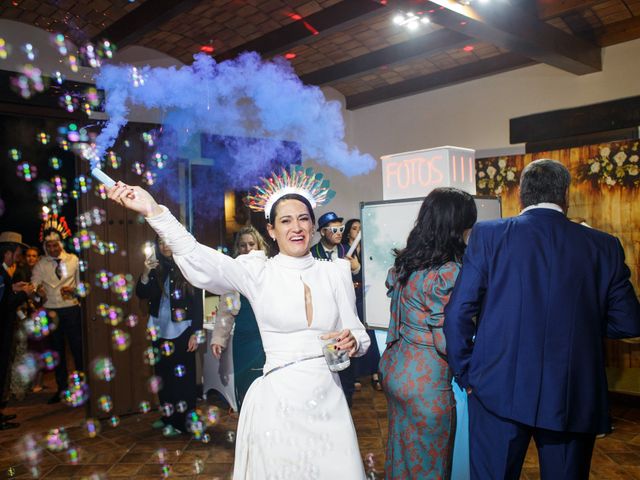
(355, 264)
(344, 341)
(150, 264)
(193, 344)
(134, 198)
(216, 350)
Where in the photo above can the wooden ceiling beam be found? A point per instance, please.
(512, 29)
(548, 9)
(444, 78)
(424, 45)
(329, 20)
(145, 18)
(619, 32)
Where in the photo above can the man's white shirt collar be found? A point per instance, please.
(550, 206)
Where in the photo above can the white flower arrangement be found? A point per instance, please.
(615, 164)
(494, 175)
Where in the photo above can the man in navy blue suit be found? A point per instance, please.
(525, 326)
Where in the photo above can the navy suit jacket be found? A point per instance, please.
(539, 293)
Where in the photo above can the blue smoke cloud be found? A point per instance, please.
(241, 98)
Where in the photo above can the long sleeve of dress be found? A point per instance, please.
(222, 329)
(346, 298)
(204, 267)
(438, 294)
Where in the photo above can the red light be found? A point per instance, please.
(290, 55)
(207, 48)
(468, 48)
(294, 16)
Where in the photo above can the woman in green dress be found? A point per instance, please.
(248, 354)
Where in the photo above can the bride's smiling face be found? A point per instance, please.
(292, 228)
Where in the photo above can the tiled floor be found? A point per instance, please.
(134, 451)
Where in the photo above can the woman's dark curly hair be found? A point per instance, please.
(437, 237)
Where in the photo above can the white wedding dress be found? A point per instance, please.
(295, 423)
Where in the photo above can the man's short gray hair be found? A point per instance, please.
(545, 181)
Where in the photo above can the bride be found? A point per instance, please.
(295, 423)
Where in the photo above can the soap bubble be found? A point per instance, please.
(179, 314)
(105, 404)
(153, 333)
(114, 421)
(167, 348)
(166, 409)
(73, 454)
(132, 320)
(26, 368)
(120, 339)
(83, 289)
(49, 359)
(57, 439)
(92, 427)
(154, 384)
(180, 370)
(76, 378)
(29, 449)
(104, 369)
(151, 356)
(144, 407)
(212, 415)
(182, 406)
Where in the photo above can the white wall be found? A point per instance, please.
(476, 114)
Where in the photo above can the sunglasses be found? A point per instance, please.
(335, 230)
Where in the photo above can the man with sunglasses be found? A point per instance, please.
(330, 248)
(331, 229)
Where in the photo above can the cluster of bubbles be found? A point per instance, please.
(77, 393)
(57, 440)
(85, 239)
(40, 324)
(110, 314)
(28, 82)
(122, 286)
(95, 216)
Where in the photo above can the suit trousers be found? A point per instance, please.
(69, 326)
(498, 447)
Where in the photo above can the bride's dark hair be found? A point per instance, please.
(437, 237)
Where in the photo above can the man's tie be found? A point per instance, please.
(58, 271)
(329, 254)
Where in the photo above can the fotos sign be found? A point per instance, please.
(415, 174)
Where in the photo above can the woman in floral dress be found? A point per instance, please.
(415, 374)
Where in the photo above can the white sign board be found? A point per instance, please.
(415, 174)
(385, 226)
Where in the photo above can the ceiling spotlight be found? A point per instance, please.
(410, 20)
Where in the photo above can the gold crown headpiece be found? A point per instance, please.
(54, 224)
(298, 180)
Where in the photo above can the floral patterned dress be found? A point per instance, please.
(416, 377)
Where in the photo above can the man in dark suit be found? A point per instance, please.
(330, 248)
(13, 295)
(525, 326)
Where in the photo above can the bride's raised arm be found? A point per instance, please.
(203, 267)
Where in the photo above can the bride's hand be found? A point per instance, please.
(134, 198)
(346, 341)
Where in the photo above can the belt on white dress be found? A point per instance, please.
(292, 363)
